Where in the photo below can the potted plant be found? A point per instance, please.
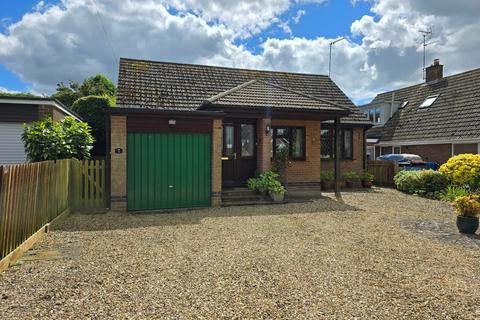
(351, 178)
(468, 209)
(367, 179)
(326, 179)
(280, 163)
(276, 191)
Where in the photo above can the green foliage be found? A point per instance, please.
(454, 191)
(281, 160)
(427, 183)
(468, 205)
(20, 95)
(67, 94)
(266, 181)
(92, 109)
(463, 169)
(98, 85)
(351, 176)
(327, 176)
(50, 140)
(366, 176)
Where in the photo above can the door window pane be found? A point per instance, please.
(298, 144)
(228, 140)
(326, 146)
(248, 140)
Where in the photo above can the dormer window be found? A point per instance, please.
(404, 104)
(429, 101)
(373, 115)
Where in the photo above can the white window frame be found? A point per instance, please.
(429, 101)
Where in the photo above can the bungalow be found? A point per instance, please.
(435, 119)
(180, 133)
(14, 112)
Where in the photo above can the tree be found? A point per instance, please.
(50, 140)
(67, 94)
(92, 109)
(98, 85)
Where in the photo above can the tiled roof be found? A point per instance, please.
(261, 94)
(455, 115)
(167, 86)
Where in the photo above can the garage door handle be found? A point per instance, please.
(170, 186)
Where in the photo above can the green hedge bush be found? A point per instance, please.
(427, 183)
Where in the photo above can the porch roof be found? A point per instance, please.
(260, 94)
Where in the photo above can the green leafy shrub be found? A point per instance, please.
(454, 191)
(92, 109)
(266, 181)
(351, 176)
(50, 140)
(463, 169)
(427, 183)
(366, 176)
(327, 176)
(468, 205)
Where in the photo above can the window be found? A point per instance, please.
(290, 138)
(248, 140)
(397, 150)
(327, 143)
(429, 101)
(404, 104)
(374, 115)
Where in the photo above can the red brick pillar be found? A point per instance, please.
(216, 198)
(264, 145)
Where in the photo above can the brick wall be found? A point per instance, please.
(45, 111)
(355, 164)
(118, 162)
(431, 152)
(50, 111)
(264, 146)
(465, 148)
(307, 170)
(216, 163)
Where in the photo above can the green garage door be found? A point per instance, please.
(168, 170)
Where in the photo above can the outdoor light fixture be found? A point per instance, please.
(268, 128)
(172, 122)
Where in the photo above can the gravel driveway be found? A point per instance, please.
(378, 255)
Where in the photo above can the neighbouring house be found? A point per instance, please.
(14, 112)
(435, 119)
(181, 133)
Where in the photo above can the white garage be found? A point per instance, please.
(11, 145)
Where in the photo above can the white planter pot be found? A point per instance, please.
(277, 197)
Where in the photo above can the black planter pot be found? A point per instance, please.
(467, 224)
(327, 185)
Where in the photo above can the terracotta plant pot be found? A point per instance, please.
(367, 184)
(467, 224)
(327, 185)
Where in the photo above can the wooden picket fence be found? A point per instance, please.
(32, 195)
(383, 171)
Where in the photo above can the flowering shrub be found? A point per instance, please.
(463, 169)
(427, 183)
(468, 205)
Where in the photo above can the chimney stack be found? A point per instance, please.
(434, 72)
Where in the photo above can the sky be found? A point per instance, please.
(46, 42)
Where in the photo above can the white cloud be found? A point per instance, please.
(5, 90)
(70, 41)
(299, 15)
